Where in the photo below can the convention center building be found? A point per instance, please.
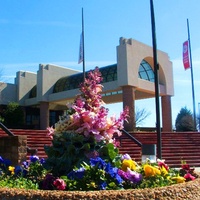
(44, 95)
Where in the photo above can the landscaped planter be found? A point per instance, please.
(183, 191)
(83, 156)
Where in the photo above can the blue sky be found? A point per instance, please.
(48, 31)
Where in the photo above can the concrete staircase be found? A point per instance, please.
(175, 146)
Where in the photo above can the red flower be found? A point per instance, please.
(185, 167)
(59, 184)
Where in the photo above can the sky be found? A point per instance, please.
(48, 32)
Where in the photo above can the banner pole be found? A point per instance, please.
(192, 78)
(83, 46)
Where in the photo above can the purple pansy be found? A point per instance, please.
(34, 158)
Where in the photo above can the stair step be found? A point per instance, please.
(175, 146)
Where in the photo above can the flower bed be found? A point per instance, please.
(187, 191)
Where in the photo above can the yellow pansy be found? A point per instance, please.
(11, 169)
(128, 164)
(163, 170)
(178, 179)
(92, 185)
(151, 171)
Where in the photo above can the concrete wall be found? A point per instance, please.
(13, 148)
(47, 77)
(8, 93)
(25, 81)
(130, 54)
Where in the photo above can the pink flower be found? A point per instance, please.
(87, 116)
(161, 163)
(98, 88)
(80, 102)
(59, 184)
(116, 143)
(51, 132)
(189, 177)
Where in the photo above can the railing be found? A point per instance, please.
(132, 138)
(29, 150)
(6, 130)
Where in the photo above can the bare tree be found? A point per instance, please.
(141, 115)
(198, 122)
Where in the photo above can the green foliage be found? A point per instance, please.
(184, 120)
(69, 150)
(17, 182)
(28, 175)
(1, 119)
(97, 174)
(93, 179)
(14, 116)
(36, 171)
(111, 154)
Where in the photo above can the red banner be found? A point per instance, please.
(186, 60)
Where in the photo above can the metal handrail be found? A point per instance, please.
(132, 138)
(6, 130)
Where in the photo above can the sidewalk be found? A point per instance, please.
(197, 169)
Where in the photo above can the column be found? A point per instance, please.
(44, 115)
(166, 113)
(129, 100)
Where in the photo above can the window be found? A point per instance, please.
(109, 73)
(145, 71)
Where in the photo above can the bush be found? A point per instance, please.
(14, 116)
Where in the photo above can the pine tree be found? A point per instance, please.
(184, 120)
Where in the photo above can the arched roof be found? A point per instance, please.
(109, 73)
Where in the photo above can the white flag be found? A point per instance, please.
(80, 57)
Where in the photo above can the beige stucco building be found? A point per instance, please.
(44, 94)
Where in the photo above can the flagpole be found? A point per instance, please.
(156, 68)
(83, 46)
(192, 79)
